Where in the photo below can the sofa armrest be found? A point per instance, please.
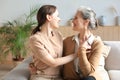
(20, 72)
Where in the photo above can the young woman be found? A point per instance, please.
(87, 46)
(46, 45)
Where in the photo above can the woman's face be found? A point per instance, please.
(54, 22)
(78, 22)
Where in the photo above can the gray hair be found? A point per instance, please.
(88, 13)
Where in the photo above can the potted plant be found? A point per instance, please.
(5, 36)
(18, 35)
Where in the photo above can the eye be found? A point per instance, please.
(75, 18)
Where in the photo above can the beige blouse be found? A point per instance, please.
(42, 46)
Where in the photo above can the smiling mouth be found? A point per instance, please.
(74, 24)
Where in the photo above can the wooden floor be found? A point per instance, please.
(4, 69)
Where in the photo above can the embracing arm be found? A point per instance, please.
(42, 54)
(54, 62)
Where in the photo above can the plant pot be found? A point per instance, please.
(18, 59)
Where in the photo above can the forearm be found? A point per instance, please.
(64, 60)
(88, 64)
(83, 61)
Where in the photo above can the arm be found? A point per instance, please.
(88, 65)
(49, 60)
(41, 52)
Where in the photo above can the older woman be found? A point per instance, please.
(88, 47)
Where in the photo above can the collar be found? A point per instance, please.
(90, 39)
(75, 37)
(50, 33)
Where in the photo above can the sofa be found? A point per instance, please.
(112, 65)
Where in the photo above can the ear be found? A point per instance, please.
(87, 22)
(48, 17)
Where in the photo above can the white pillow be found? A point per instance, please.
(106, 50)
(105, 53)
(114, 74)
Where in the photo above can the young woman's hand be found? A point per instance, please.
(32, 68)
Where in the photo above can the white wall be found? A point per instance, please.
(12, 9)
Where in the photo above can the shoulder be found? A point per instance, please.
(35, 36)
(98, 38)
(58, 34)
(68, 39)
(38, 37)
(98, 41)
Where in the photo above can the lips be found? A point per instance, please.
(74, 25)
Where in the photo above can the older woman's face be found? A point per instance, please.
(78, 22)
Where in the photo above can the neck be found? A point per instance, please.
(46, 29)
(84, 35)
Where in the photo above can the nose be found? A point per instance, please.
(72, 20)
(59, 19)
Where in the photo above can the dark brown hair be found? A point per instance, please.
(41, 16)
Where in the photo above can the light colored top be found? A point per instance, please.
(77, 44)
(41, 46)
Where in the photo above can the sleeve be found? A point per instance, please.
(89, 64)
(38, 49)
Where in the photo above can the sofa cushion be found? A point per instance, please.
(112, 61)
(106, 50)
(114, 74)
(105, 53)
(20, 72)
